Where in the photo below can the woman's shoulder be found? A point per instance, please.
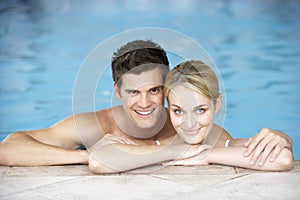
(222, 135)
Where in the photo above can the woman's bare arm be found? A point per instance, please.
(234, 156)
(113, 158)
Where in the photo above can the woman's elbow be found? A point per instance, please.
(99, 168)
(285, 160)
(5, 158)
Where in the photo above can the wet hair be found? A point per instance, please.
(135, 54)
(194, 75)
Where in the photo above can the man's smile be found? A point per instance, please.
(144, 113)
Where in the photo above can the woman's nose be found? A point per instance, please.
(189, 120)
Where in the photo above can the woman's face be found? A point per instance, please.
(192, 114)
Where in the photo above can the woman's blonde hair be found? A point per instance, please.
(194, 75)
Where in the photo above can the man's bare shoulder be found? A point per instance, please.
(92, 126)
(107, 114)
(99, 115)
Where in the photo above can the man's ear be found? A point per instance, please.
(218, 104)
(117, 91)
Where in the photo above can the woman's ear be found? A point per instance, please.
(116, 91)
(218, 104)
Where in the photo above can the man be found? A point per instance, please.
(138, 71)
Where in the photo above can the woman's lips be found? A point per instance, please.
(190, 131)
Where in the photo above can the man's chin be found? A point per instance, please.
(148, 125)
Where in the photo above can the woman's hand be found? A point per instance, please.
(265, 143)
(189, 157)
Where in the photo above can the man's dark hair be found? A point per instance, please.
(137, 53)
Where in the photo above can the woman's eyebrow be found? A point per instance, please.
(200, 106)
(175, 106)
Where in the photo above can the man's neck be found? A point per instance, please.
(129, 127)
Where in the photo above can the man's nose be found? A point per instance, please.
(144, 100)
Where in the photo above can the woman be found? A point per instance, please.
(192, 92)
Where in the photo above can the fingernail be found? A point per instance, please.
(272, 159)
(246, 153)
(252, 162)
(260, 163)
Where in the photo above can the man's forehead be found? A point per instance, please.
(151, 78)
(142, 87)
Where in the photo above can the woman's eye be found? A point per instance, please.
(178, 112)
(200, 111)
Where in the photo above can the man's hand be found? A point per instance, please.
(265, 143)
(112, 139)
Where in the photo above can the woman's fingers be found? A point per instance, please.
(265, 144)
(269, 150)
(254, 142)
(175, 162)
(276, 152)
(262, 150)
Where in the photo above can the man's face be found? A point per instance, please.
(142, 97)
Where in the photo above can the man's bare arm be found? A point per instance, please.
(55, 145)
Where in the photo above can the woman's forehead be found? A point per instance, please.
(186, 98)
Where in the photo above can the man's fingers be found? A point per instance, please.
(130, 142)
(117, 139)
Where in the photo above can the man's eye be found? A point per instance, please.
(133, 92)
(155, 91)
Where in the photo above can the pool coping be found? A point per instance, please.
(153, 182)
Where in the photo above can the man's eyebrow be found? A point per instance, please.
(157, 87)
(136, 90)
(131, 90)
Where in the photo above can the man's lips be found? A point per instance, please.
(144, 113)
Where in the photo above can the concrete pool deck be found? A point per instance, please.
(154, 182)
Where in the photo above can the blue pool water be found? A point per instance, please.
(255, 44)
